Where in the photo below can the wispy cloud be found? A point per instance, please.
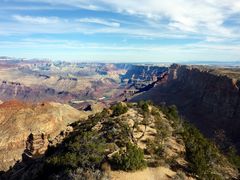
(99, 21)
(36, 20)
(207, 26)
(57, 25)
(185, 15)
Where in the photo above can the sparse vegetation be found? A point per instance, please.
(144, 105)
(233, 157)
(203, 156)
(119, 109)
(111, 140)
(162, 131)
(132, 158)
(156, 150)
(179, 176)
(85, 150)
(116, 131)
(200, 153)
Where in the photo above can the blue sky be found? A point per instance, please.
(126, 30)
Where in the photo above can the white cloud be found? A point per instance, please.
(205, 21)
(99, 21)
(36, 20)
(214, 39)
(203, 16)
(56, 25)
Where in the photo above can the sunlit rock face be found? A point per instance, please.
(18, 120)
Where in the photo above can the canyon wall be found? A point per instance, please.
(16, 90)
(143, 73)
(18, 120)
(209, 100)
(58, 81)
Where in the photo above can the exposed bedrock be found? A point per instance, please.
(29, 127)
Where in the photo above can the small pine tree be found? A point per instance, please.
(130, 160)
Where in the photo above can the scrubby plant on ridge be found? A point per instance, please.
(119, 109)
(129, 159)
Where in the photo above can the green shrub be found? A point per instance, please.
(163, 131)
(233, 157)
(84, 150)
(155, 112)
(154, 148)
(130, 160)
(200, 153)
(116, 131)
(130, 105)
(179, 176)
(119, 109)
(144, 105)
(170, 111)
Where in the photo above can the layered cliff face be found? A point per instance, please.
(140, 78)
(205, 96)
(36, 93)
(143, 73)
(18, 120)
(37, 81)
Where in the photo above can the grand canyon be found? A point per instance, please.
(45, 103)
(119, 90)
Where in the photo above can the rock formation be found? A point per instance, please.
(36, 145)
(43, 121)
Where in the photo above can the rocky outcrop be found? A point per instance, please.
(209, 100)
(43, 121)
(141, 78)
(36, 145)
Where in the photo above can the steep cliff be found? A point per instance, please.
(207, 97)
(143, 73)
(18, 120)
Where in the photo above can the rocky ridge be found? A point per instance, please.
(126, 141)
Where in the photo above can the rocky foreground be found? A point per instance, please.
(127, 141)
